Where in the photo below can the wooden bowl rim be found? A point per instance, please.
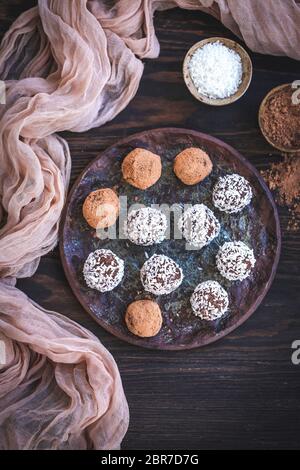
(225, 331)
(248, 71)
(260, 113)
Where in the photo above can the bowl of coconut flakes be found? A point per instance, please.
(217, 71)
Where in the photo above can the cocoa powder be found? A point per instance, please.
(284, 179)
(280, 119)
(141, 168)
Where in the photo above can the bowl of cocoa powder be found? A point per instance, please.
(279, 118)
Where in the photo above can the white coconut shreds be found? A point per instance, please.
(232, 193)
(216, 70)
(103, 270)
(161, 275)
(235, 261)
(209, 300)
(198, 225)
(146, 226)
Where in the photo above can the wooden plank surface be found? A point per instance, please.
(242, 392)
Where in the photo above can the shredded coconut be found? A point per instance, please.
(235, 261)
(209, 300)
(161, 275)
(198, 225)
(216, 70)
(103, 270)
(232, 193)
(146, 226)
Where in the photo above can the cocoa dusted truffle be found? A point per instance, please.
(143, 318)
(161, 275)
(209, 300)
(232, 193)
(192, 165)
(141, 168)
(103, 270)
(198, 225)
(235, 261)
(146, 226)
(101, 208)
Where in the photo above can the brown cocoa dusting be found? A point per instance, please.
(101, 208)
(141, 168)
(281, 119)
(143, 318)
(192, 165)
(284, 179)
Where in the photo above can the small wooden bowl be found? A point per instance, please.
(246, 78)
(260, 114)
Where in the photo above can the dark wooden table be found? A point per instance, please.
(243, 391)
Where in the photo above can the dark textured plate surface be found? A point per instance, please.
(257, 225)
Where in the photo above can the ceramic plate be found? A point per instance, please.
(257, 225)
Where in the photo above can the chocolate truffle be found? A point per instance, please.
(141, 168)
(232, 193)
(101, 208)
(235, 261)
(143, 318)
(161, 275)
(192, 165)
(103, 270)
(198, 225)
(209, 300)
(146, 226)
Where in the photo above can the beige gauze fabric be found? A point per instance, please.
(74, 65)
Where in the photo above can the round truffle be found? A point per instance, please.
(143, 318)
(146, 226)
(141, 168)
(235, 261)
(192, 165)
(161, 275)
(101, 208)
(209, 300)
(198, 225)
(103, 270)
(232, 193)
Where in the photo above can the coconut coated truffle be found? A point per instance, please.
(101, 208)
(192, 165)
(141, 168)
(235, 261)
(232, 193)
(198, 225)
(161, 275)
(209, 300)
(143, 318)
(146, 226)
(103, 270)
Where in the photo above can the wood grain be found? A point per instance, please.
(242, 392)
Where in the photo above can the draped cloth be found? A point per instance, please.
(74, 65)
